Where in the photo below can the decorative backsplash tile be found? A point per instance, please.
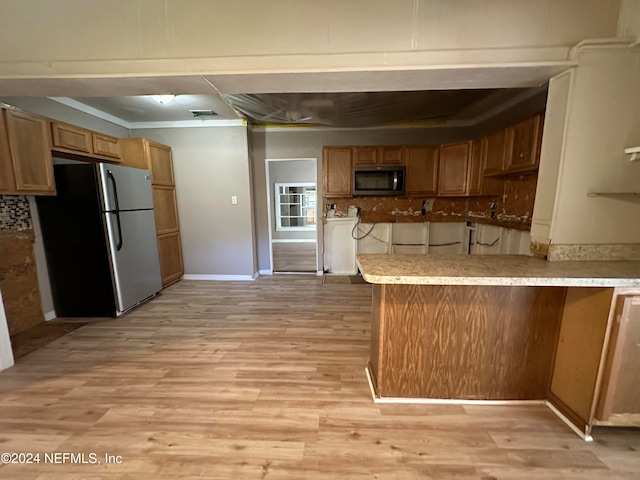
(15, 213)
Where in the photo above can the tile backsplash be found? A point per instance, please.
(15, 214)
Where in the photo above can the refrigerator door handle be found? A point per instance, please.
(117, 211)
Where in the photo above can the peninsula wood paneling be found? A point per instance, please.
(468, 342)
(377, 305)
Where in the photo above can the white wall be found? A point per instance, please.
(211, 165)
(603, 120)
(123, 37)
(293, 171)
(6, 354)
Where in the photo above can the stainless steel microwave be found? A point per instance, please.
(378, 181)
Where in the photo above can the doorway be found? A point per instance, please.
(292, 199)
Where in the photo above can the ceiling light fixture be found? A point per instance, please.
(162, 99)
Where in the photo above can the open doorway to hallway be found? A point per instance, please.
(293, 214)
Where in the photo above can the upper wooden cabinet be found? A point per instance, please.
(25, 154)
(477, 183)
(422, 170)
(368, 155)
(525, 145)
(365, 155)
(453, 169)
(496, 152)
(336, 171)
(149, 155)
(80, 141)
(514, 149)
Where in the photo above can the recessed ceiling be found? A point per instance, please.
(143, 109)
(373, 109)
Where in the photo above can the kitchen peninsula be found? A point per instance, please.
(506, 327)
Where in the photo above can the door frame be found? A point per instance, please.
(270, 206)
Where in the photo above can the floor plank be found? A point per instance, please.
(265, 380)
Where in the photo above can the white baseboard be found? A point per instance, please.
(50, 315)
(293, 240)
(319, 273)
(265, 272)
(224, 278)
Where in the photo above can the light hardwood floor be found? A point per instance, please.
(265, 380)
(294, 257)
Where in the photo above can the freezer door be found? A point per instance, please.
(136, 267)
(131, 185)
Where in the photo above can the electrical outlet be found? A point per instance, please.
(234, 200)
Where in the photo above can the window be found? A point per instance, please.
(295, 206)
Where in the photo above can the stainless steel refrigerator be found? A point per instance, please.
(100, 241)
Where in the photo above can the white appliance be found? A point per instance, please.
(340, 246)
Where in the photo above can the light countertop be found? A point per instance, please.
(494, 270)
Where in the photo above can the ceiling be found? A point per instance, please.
(354, 99)
(335, 110)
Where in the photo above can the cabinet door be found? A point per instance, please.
(365, 155)
(525, 145)
(170, 253)
(166, 209)
(161, 164)
(30, 153)
(336, 171)
(582, 333)
(478, 183)
(7, 178)
(422, 170)
(496, 152)
(620, 396)
(70, 137)
(106, 146)
(452, 170)
(390, 156)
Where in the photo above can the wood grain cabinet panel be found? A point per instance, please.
(336, 170)
(391, 156)
(30, 153)
(620, 397)
(7, 178)
(478, 184)
(69, 137)
(161, 164)
(525, 145)
(365, 155)
(496, 152)
(106, 146)
(80, 141)
(582, 334)
(166, 209)
(170, 252)
(422, 170)
(453, 168)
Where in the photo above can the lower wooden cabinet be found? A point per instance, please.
(170, 252)
(619, 401)
(597, 363)
(25, 154)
